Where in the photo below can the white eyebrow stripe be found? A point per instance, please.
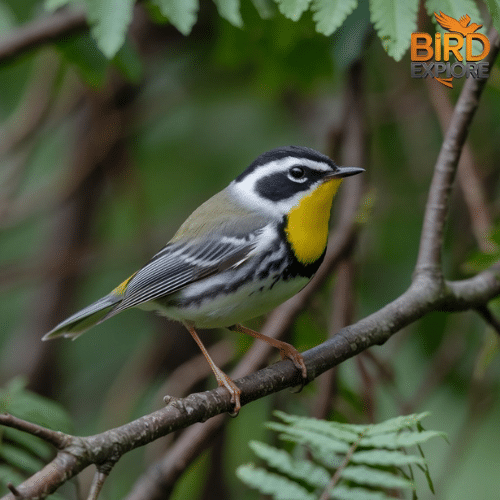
(284, 164)
(244, 190)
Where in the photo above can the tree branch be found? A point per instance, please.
(41, 31)
(55, 438)
(374, 329)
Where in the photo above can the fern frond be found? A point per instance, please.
(355, 462)
(270, 483)
(304, 470)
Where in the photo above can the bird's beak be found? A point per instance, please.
(343, 172)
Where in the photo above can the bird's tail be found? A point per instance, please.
(81, 321)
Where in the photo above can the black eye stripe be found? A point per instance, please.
(278, 186)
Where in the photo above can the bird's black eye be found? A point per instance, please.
(297, 173)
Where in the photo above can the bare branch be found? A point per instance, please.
(100, 476)
(429, 256)
(41, 31)
(55, 438)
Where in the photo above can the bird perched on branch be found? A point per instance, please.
(240, 254)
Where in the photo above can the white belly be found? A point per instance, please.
(248, 301)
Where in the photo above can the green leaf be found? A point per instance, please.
(361, 474)
(109, 21)
(272, 484)
(296, 468)
(19, 458)
(53, 5)
(394, 21)
(396, 424)
(181, 13)
(265, 8)
(230, 10)
(342, 432)
(403, 440)
(453, 8)
(385, 458)
(307, 437)
(494, 8)
(342, 492)
(330, 14)
(293, 9)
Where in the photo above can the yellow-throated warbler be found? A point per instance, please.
(240, 254)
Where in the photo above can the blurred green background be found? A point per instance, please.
(100, 163)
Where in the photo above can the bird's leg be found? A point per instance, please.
(222, 378)
(286, 350)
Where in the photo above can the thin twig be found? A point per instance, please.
(55, 438)
(98, 480)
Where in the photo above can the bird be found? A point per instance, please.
(461, 26)
(244, 251)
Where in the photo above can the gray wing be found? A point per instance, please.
(180, 264)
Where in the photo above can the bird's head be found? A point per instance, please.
(277, 181)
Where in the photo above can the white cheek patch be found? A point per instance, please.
(246, 192)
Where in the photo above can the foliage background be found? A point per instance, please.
(100, 163)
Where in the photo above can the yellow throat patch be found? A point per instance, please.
(307, 226)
